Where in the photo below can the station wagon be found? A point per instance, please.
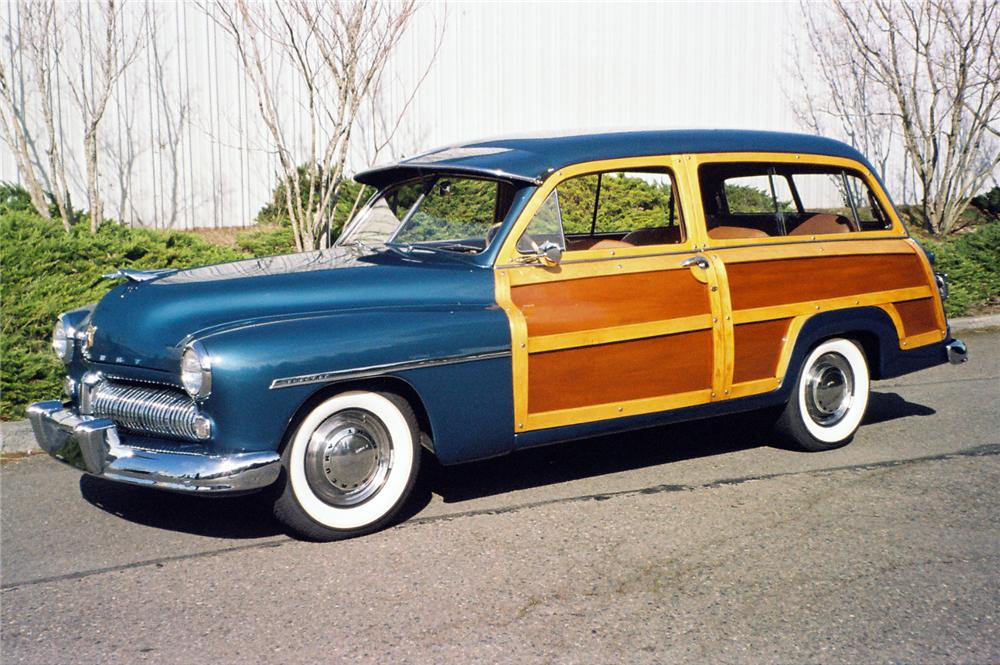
(499, 295)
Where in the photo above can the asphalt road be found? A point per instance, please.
(694, 543)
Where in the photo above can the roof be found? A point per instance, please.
(531, 159)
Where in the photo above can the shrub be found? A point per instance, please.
(972, 263)
(275, 212)
(46, 271)
(988, 203)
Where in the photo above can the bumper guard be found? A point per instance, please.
(92, 445)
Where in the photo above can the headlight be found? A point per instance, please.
(196, 371)
(62, 345)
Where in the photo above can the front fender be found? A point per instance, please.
(251, 407)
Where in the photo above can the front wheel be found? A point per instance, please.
(350, 466)
(829, 398)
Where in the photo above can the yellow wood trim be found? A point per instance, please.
(897, 321)
(624, 333)
(911, 341)
(922, 339)
(508, 251)
(754, 387)
(523, 275)
(789, 310)
(622, 409)
(695, 214)
(725, 354)
(518, 346)
(788, 345)
(802, 249)
(925, 263)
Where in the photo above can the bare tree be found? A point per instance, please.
(938, 64)
(92, 87)
(15, 135)
(338, 52)
(838, 95)
(40, 39)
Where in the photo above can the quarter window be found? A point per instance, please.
(753, 200)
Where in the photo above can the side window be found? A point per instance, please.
(611, 209)
(756, 200)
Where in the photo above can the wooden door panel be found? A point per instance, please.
(607, 301)
(611, 338)
(778, 282)
(620, 372)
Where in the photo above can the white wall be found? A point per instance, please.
(502, 68)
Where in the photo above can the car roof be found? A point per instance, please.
(530, 159)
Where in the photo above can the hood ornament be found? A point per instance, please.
(133, 275)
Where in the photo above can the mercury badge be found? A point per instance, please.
(88, 339)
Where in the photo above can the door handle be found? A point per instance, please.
(699, 261)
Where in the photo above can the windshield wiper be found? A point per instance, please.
(459, 247)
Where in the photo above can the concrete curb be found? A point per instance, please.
(17, 437)
(971, 323)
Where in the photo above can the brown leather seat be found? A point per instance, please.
(610, 244)
(727, 232)
(659, 235)
(821, 224)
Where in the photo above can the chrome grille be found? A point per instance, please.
(163, 411)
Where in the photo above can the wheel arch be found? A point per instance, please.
(870, 327)
(381, 384)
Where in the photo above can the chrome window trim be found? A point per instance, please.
(379, 370)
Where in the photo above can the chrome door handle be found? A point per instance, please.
(699, 261)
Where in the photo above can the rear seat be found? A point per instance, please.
(820, 224)
(727, 232)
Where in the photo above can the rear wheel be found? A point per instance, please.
(829, 399)
(350, 466)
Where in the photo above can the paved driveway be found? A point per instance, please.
(692, 543)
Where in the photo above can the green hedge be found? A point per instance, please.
(46, 271)
(972, 263)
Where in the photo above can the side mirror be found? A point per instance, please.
(549, 253)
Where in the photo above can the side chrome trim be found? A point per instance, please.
(379, 370)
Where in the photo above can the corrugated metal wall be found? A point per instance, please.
(502, 68)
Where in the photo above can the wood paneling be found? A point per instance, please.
(621, 371)
(768, 283)
(918, 316)
(756, 348)
(604, 302)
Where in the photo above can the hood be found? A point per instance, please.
(146, 323)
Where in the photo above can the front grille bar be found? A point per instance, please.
(161, 411)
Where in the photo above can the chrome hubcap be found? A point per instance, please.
(829, 389)
(348, 457)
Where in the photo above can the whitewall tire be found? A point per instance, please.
(830, 396)
(349, 466)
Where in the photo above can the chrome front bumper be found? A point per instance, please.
(92, 445)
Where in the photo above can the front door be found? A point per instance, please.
(628, 322)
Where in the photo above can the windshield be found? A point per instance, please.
(445, 213)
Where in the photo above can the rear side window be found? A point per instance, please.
(757, 200)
